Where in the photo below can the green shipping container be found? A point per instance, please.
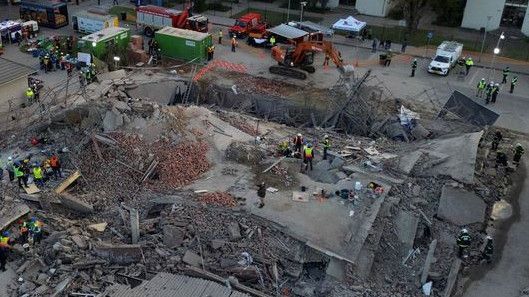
(98, 43)
(183, 44)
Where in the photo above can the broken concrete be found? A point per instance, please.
(134, 225)
(460, 207)
(234, 231)
(113, 120)
(73, 203)
(119, 254)
(192, 259)
(172, 236)
(406, 223)
(12, 213)
(336, 269)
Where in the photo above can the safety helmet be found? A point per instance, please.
(5, 233)
(299, 134)
(497, 84)
(518, 145)
(483, 79)
(10, 158)
(33, 219)
(309, 145)
(464, 230)
(326, 136)
(489, 237)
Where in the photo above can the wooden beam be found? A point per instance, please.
(273, 165)
(67, 182)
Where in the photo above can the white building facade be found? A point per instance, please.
(488, 14)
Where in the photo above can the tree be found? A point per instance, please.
(449, 12)
(413, 11)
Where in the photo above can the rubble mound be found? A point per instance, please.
(244, 153)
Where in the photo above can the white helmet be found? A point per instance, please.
(299, 134)
(10, 158)
(489, 237)
(326, 136)
(464, 230)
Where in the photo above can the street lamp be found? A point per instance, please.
(94, 44)
(116, 62)
(489, 17)
(288, 12)
(496, 52)
(302, 4)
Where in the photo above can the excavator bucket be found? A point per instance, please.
(347, 70)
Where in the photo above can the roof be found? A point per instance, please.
(10, 71)
(187, 34)
(153, 9)
(104, 34)
(313, 27)
(95, 16)
(43, 3)
(172, 285)
(287, 31)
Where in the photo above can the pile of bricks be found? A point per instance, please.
(218, 198)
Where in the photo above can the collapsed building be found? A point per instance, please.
(159, 195)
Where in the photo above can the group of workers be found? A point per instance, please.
(464, 240)
(30, 232)
(39, 171)
(501, 156)
(304, 150)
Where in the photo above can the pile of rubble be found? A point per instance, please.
(218, 198)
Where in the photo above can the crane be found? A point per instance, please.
(296, 60)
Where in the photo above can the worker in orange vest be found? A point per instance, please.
(55, 165)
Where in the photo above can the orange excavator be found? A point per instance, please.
(296, 60)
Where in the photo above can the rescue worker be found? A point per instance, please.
(9, 168)
(220, 36)
(272, 40)
(38, 176)
(233, 43)
(463, 243)
(19, 174)
(496, 141)
(461, 64)
(389, 56)
(518, 152)
(261, 193)
(326, 146)
(514, 82)
(55, 165)
(374, 46)
(29, 94)
(488, 92)
(5, 242)
(501, 159)
(495, 91)
(36, 92)
(308, 154)
(413, 67)
(24, 232)
(35, 230)
(468, 64)
(506, 72)
(481, 88)
(488, 250)
(211, 50)
(82, 80)
(298, 143)
(284, 149)
(47, 64)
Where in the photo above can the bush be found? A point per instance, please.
(396, 13)
(449, 12)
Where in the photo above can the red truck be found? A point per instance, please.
(250, 24)
(152, 18)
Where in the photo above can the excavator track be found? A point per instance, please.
(288, 71)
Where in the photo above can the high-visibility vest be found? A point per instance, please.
(481, 84)
(308, 152)
(469, 62)
(37, 172)
(54, 161)
(506, 71)
(4, 240)
(29, 93)
(220, 33)
(272, 40)
(514, 81)
(326, 143)
(18, 172)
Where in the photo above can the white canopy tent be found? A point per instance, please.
(349, 24)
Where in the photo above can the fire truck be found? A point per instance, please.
(152, 18)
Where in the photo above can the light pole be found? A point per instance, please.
(302, 4)
(288, 12)
(489, 17)
(496, 52)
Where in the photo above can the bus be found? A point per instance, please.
(47, 13)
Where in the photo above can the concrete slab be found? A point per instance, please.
(119, 254)
(172, 236)
(406, 223)
(461, 154)
(408, 161)
(336, 269)
(73, 203)
(118, 74)
(192, 258)
(460, 207)
(134, 225)
(10, 214)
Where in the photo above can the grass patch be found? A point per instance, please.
(274, 18)
(516, 49)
